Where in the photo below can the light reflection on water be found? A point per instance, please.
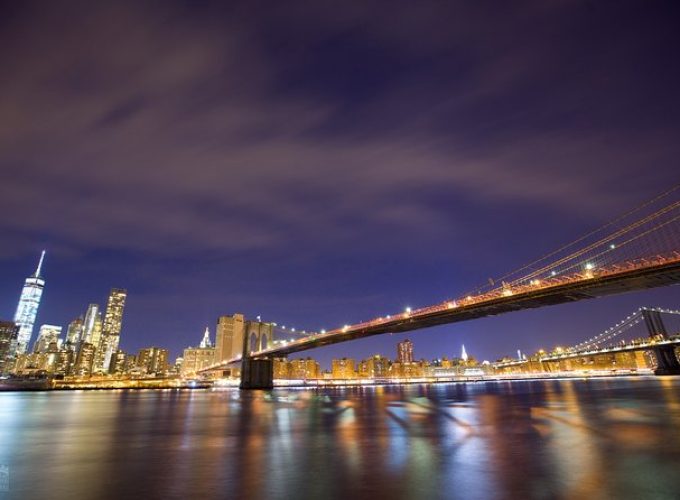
(610, 438)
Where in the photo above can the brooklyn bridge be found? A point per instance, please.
(638, 250)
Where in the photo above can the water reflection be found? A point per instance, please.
(550, 439)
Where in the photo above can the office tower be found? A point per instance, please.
(153, 361)
(229, 337)
(117, 365)
(9, 332)
(113, 322)
(89, 323)
(463, 354)
(63, 362)
(48, 334)
(74, 334)
(85, 360)
(195, 359)
(27, 308)
(405, 351)
(206, 339)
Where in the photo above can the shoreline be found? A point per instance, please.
(48, 385)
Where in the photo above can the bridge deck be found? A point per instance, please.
(643, 274)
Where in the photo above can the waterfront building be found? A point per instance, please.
(405, 351)
(9, 332)
(281, 368)
(63, 362)
(152, 361)
(130, 363)
(343, 368)
(303, 369)
(117, 362)
(195, 359)
(48, 335)
(27, 309)
(407, 370)
(229, 337)
(376, 366)
(112, 326)
(84, 360)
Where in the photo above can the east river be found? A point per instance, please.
(557, 439)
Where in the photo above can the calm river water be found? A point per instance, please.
(608, 438)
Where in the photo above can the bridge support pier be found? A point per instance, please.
(257, 374)
(667, 361)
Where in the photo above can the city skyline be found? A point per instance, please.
(315, 193)
(359, 249)
(177, 345)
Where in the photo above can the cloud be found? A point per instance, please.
(201, 129)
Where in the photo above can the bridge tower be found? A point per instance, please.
(257, 372)
(667, 361)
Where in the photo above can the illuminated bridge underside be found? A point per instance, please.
(663, 274)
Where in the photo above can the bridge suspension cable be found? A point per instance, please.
(612, 248)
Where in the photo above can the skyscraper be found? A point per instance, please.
(49, 334)
(113, 322)
(89, 325)
(74, 334)
(229, 337)
(405, 351)
(27, 308)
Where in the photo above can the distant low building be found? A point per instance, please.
(376, 366)
(405, 352)
(343, 369)
(303, 369)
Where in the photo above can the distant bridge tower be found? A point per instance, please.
(654, 322)
(667, 360)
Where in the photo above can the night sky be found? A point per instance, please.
(323, 163)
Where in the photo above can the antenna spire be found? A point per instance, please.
(42, 258)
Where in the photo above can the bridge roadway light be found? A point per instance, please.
(323, 332)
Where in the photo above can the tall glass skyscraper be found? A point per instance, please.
(113, 321)
(27, 309)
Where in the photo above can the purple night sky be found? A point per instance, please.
(323, 163)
